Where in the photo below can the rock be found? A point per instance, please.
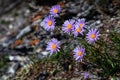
(12, 69)
(7, 5)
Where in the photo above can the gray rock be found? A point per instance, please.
(7, 5)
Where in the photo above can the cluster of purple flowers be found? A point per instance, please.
(75, 27)
(69, 26)
(53, 46)
(49, 21)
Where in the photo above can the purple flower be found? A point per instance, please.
(85, 75)
(81, 23)
(55, 10)
(92, 36)
(78, 53)
(68, 26)
(49, 23)
(77, 30)
(53, 46)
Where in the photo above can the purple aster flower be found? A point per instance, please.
(77, 30)
(68, 26)
(53, 46)
(92, 36)
(79, 53)
(81, 23)
(85, 75)
(49, 23)
(55, 10)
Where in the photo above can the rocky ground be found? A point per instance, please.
(22, 38)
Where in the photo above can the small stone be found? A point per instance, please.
(45, 53)
(10, 26)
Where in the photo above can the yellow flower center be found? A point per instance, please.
(78, 30)
(81, 25)
(79, 53)
(54, 46)
(92, 36)
(50, 23)
(69, 26)
(55, 10)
